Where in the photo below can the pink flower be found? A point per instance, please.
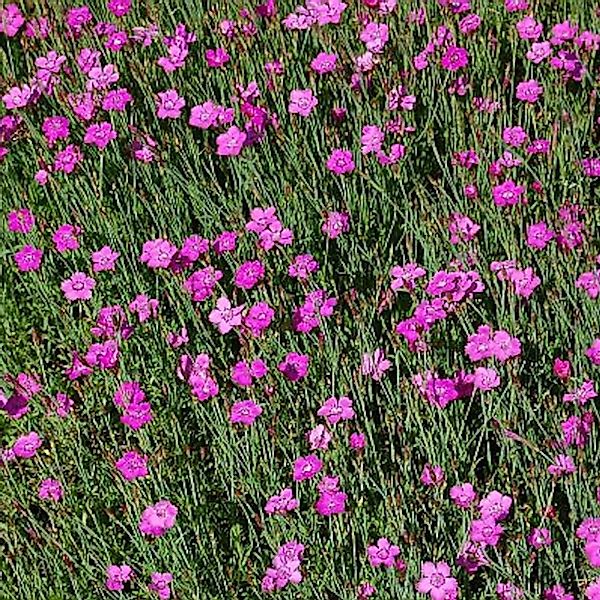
(160, 584)
(231, 142)
(358, 441)
(375, 36)
(432, 475)
(323, 63)
(28, 258)
(66, 238)
(21, 220)
(157, 519)
(562, 369)
(319, 438)
(382, 554)
(340, 162)
(100, 78)
(335, 410)
(539, 235)
(455, 58)
(137, 414)
(593, 352)
(282, 503)
(119, 8)
(486, 531)
(562, 465)
(302, 102)
(226, 317)
(540, 537)
(169, 105)
(249, 274)
(508, 194)
(436, 581)
(100, 135)
(306, 467)
(78, 287)
(157, 254)
(245, 412)
(294, 366)
(375, 364)
(117, 576)
(132, 465)
(463, 495)
(495, 505)
(216, 57)
(104, 259)
(335, 224)
(529, 91)
(11, 20)
(50, 489)
(331, 503)
(27, 445)
(486, 379)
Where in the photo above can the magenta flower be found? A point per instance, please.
(161, 585)
(540, 537)
(486, 531)
(593, 352)
(495, 505)
(529, 91)
(117, 576)
(319, 438)
(226, 317)
(104, 259)
(306, 467)
(132, 465)
(337, 409)
(331, 503)
(78, 287)
(245, 412)
(463, 495)
(323, 63)
(249, 274)
(169, 105)
(28, 258)
(437, 581)
(302, 102)
(21, 220)
(432, 475)
(383, 554)
(157, 519)
(100, 135)
(486, 379)
(455, 58)
(294, 366)
(282, 503)
(11, 20)
(50, 489)
(340, 162)
(562, 465)
(231, 142)
(335, 224)
(27, 445)
(65, 238)
(374, 365)
(137, 414)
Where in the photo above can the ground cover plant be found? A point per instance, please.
(299, 301)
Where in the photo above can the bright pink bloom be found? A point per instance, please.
(306, 467)
(226, 317)
(437, 581)
(50, 489)
(302, 102)
(78, 287)
(169, 105)
(117, 576)
(245, 412)
(340, 162)
(231, 142)
(157, 519)
(337, 409)
(132, 465)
